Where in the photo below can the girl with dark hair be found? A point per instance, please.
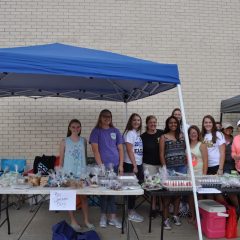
(173, 157)
(215, 142)
(178, 114)
(151, 158)
(133, 152)
(150, 138)
(229, 165)
(218, 126)
(73, 153)
(106, 142)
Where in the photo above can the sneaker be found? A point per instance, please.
(115, 222)
(176, 220)
(166, 224)
(135, 217)
(90, 226)
(103, 221)
(76, 227)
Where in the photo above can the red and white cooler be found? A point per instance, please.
(213, 218)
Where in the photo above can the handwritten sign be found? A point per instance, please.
(62, 200)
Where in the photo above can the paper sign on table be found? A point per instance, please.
(208, 190)
(61, 200)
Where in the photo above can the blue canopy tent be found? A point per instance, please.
(58, 70)
(68, 71)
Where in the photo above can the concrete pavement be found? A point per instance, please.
(40, 227)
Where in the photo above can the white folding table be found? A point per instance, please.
(81, 191)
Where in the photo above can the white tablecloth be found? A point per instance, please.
(82, 191)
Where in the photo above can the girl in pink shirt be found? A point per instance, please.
(236, 148)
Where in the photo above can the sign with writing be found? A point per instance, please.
(62, 200)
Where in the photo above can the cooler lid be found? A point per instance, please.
(211, 206)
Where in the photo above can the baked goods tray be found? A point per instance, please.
(178, 185)
(209, 181)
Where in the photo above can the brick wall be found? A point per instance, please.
(202, 37)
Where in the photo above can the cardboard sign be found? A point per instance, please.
(62, 200)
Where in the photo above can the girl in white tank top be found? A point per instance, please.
(199, 160)
(198, 150)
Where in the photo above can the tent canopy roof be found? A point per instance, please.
(231, 105)
(68, 71)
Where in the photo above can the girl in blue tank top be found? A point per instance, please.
(73, 160)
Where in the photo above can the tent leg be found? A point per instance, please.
(221, 117)
(126, 112)
(190, 162)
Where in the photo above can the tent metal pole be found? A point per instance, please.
(221, 117)
(190, 161)
(126, 112)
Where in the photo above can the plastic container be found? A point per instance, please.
(13, 165)
(213, 218)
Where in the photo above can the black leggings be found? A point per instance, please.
(128, 168)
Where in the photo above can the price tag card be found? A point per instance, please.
(62, 200)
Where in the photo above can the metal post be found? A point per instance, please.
(190, 162)
(126, 112)
(221, 117)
